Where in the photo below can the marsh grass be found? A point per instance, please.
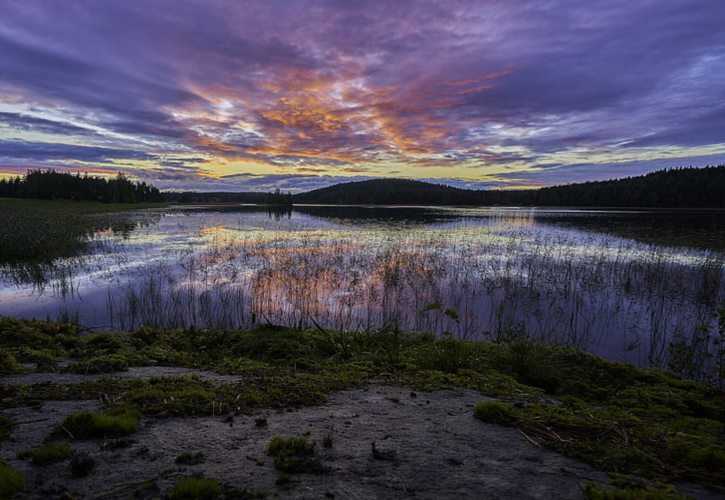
(114, 422)
(294, 455)
(50, 453)
(11, 481)
(192, 488)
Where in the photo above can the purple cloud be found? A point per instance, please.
(322, 89)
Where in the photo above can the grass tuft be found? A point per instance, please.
(293, 455)
(11, 481)
(192, 488)
(91, 425)
(51, 453)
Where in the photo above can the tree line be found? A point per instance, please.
(49, 184)
(687, 187)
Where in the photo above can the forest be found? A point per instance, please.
(51, 185)
(671, 188)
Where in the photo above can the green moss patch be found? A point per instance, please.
(114, 422)
(191, 488)
(51, 453)
(11, 481)
(294, 455)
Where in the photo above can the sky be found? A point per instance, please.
(253, 95)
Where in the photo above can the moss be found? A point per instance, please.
(91, 425)
(293, 454)
(614, 416)
(632, 491)
(11, 481)
(100, 364)
(190, 458)
(180, 396)
(51, 453)
(6, 426)
(8, 364)
(495, 412)
(191, 488)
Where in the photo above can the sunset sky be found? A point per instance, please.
(242, 95)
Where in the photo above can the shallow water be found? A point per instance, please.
(623, 284)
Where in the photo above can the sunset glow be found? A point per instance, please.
(249, 96)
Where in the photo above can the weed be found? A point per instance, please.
(631, 490)
(293, 454)
(8, 364)
(192, 488)
(6, 425)
(51, 453)
(190, 458)
(100, 364)
(11, 481)
(327, 441)
(91, 425)
(495, 412)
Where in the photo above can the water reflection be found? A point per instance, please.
(611, 282)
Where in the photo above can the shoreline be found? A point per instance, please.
(582, 426)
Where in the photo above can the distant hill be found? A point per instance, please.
(672, 188)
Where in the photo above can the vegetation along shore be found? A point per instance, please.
(327, 413)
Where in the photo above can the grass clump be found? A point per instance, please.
(99, 364)
(11, 481)
(178, 396)
(8, 364)
(91, 425)
(6, 425)
(293, 455)
(192, 488)
(53, 452)
(190, 458)
(495, 412)
(631, 489)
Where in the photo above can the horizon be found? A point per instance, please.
(225, 97)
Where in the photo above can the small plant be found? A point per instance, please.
(82, 464)
(190, 458)
(495, 412)
(91, 425)
(260, 422)
(293, 454)
(11, 481)
(656, 491)
(327, 441)
(192, 488)
(53, 452)
(8, 364)
(6, 425)
(99, 364)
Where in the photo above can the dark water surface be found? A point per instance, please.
(625, 284)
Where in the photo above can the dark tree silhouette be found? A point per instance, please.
(49, 184)
(672, 188)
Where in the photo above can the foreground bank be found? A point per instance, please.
(318, 413)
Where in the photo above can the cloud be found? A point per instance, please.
(42, 151)
(463, 88)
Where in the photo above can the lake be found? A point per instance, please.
(637, 286)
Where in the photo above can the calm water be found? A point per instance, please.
(623, 284)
